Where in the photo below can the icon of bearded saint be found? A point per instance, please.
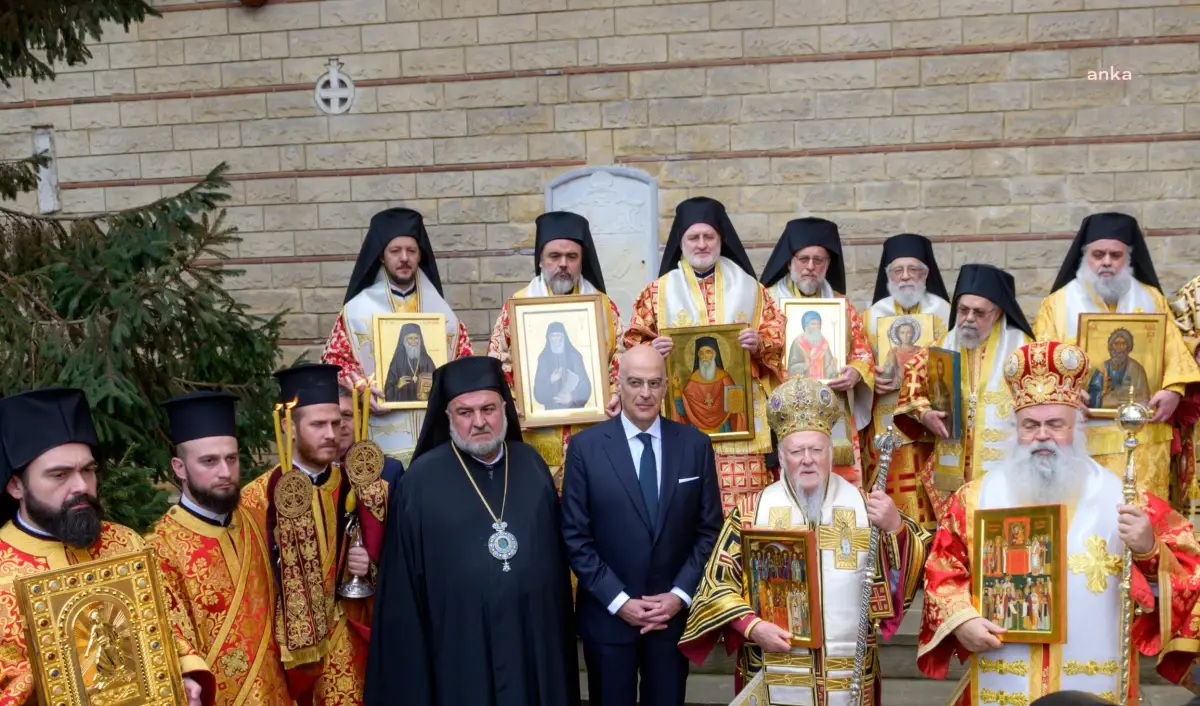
(410, 374)
(561, 380)
(810, 355)
(702, 403)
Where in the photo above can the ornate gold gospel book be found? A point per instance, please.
(98, 634)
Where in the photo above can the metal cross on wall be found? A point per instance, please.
(335, 90)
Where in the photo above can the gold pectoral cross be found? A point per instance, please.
(844, 538)
(1095, 563)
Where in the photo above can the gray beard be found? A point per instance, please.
(810, 503)
(708, 370)
(906, 295)
(700, 265)
(558, 350)
(814, 337)
(1110, 289)
(414, 352)
(969, 338)
(806, 287)
(1054, 479)
(559, 284)
(481, 449)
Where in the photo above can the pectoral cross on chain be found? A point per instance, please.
(844, 538)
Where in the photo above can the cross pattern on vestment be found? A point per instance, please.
(1095, 563)
(844, 538)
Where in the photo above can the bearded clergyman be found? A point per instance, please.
(474, 591)
(807, 263)
(50, 520)
(706, 279)
(1047, 463)
(909, 282)
(986, 324)
(1108, 270)
(802, 413)
(564, 264)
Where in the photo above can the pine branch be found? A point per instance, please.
(21, 176)
(36, 34)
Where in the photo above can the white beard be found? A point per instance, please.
(482, 449)
(559, 284)
(708, 370)
(906, 294)
(806, 287)
(414, 352)
(1110, 289)
(1053, 479)
(814, 337)
(558, 350)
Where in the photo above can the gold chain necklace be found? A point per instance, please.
(502, 544)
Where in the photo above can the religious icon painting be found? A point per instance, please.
(780, 569)
(98, 634)
(817, 337)
(408, 348)
(560, 359)
(754, 693)
(1018, 565)
(709, 381)
(1126, 352)
(900, 338)
(945, 387)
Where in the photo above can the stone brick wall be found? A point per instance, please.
(971, 121)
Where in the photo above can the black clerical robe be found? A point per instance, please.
(453, 628)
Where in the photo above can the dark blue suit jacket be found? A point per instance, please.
(393, 470)
(611, 542)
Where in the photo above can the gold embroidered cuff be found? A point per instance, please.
(1148, 555)
(192, 663)
(750, 627)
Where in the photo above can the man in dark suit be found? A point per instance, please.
(641, 513)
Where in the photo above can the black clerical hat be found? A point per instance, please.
(385, 227)
(702, 209)
(34, 422)
(564, 225)
(801, 233)
(995, 285)
(1109, 226)
(201, 415)
(458, 377)
(1071, 698)
(309, 384)
(909, 245)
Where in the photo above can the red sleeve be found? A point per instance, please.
(947, 593)
(338, 352)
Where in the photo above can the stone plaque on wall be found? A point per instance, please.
(622, 206)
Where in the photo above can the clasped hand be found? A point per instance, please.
(651, 612)
(884, 384)
(847, 378)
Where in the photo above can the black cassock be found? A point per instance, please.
(451, 627)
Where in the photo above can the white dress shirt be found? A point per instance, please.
(204, 512)
(635, 450)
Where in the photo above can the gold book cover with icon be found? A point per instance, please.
(98, 634)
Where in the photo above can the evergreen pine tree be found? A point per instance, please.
(128, 306)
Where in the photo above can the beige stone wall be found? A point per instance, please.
(971, 121)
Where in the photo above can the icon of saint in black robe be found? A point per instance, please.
(451, 626)
(410, 375)
(561, 380)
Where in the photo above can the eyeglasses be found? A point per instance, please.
(637, 383)
(807, 261)
(911, 270)
(974, 314)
